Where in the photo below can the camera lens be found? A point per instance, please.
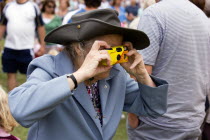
(118, 57)
(118, 49)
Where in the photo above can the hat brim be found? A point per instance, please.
(90, 28)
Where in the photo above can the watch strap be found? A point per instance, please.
(73, 79)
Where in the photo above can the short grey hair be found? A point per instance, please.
(85, 46)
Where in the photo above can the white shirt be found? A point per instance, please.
(68, 16)
(20, 25)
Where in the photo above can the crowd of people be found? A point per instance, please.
(164, 86)
(48, 15)
(128, 9)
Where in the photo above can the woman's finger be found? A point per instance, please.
(103, 52)
(132, 52)
(98, 44)
(105, 57)
(129, 45)
(138, 59)
(135, 63)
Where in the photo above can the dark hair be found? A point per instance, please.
(207, 8)
(199, 3)
(207, 13)
(67, 3)
(45, 3)
(113, 3)
(93, 3)
(2, 5)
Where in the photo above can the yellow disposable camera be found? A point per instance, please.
(117, 54)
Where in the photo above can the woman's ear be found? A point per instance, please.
(79, 50)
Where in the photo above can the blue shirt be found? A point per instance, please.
(122, 14)
(80, 11)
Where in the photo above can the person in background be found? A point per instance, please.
(51, 21)
(206, 125)
(73, 5)
(21, 19)
(179, 53)
(7, 122)
(132, 11)
(203, 5)
(2, 4)
(90, 5)
(104, 4)
(116, 4)
(145, 4)
(63, 8)
(81, 4)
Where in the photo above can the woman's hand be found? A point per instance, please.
(90, 66)
(135, 66)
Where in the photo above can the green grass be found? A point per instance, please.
(21, 132)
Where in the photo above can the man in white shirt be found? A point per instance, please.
(20, 19)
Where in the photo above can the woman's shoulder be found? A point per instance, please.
(45, 62)
(43, 59)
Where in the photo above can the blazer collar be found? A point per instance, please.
(63, 64)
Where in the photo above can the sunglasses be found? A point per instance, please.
(50, 6)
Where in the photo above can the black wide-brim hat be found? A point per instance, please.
(95, 23)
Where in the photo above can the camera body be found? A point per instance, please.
(117, 54)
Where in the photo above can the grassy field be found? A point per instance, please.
(22, 132)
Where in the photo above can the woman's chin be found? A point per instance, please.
(102, 76)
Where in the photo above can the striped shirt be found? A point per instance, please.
(179, 53)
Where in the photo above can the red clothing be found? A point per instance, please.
(6, 136)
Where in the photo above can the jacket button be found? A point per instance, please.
(105, 86)
(78, 26)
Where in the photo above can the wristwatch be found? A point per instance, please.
(73, 79)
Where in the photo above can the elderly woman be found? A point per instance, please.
(73, 95)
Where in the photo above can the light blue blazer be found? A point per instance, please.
(46, 104)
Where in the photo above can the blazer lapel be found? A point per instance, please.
(63, 65)
(104, 88)
(83, 98)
